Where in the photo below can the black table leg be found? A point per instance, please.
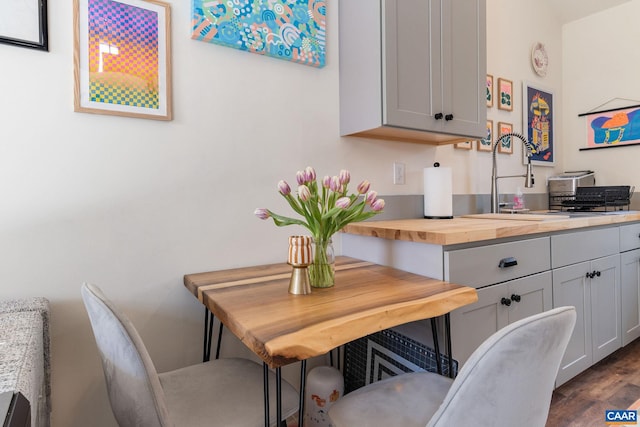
(265, 381)
(219, 340)
(303, 374)
(447, 327)
(208, 333)
(278, 396)
(436, 345)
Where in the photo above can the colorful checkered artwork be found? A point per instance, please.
(293, 30)
(123, 54)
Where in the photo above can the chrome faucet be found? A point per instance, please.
(528, 176)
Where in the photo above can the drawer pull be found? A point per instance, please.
(593, 274)
(505, 301)
(448, 117)
(438, 116)
(508, 262)
(515, 298)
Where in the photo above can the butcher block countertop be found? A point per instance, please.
(475, 228)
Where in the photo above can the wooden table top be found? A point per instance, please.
(281, 328)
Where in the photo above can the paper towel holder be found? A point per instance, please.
(429, 216)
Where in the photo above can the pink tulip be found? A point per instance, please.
(310, 174)
(371, 197)
(377, 205)
(363, 187)
(300, 177)
(262, 213)
(343, 202)
(326, 181)
(345, 177)
(284, 188)
(335, 185)
(304, 193)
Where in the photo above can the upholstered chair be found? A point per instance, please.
(507, 381)
(224, 392)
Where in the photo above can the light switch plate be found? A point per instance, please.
(398, 173)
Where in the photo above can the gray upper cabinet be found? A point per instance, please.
(413, 70)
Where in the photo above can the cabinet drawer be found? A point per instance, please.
(571, 248)
(629, 237)
(491, 264)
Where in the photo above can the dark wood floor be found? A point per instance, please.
(612, 383)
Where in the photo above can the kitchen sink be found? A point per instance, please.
(582, 214)
(573, 214)
(544, 216)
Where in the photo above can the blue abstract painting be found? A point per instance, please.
(290, 30)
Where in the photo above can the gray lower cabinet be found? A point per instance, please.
(513, 281)
(630, 281)
(597, 270)
(593, 288)
(497, 306)
(630, 289)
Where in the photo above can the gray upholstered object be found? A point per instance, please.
(224, 392)
(24, 354)
(507, 381)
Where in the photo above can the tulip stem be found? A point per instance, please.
(321, 272)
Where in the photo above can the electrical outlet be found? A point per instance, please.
(398, 173)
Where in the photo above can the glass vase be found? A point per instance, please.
(322, 269)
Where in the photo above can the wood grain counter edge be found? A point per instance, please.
(467, 230)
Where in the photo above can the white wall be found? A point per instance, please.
(601, 60)
(132, 205)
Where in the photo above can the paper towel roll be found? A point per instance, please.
(438, 193)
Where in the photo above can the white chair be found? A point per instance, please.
(224, 392)
(507, 381)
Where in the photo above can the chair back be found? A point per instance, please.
(509, 379)
(135, 393)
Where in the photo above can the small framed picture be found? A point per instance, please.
(489, 91)
(505, 94)
(506, 144)
(467, 145)
(485, 144)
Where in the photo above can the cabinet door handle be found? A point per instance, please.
(505, 301)
(507, 262)
(515, 298)
(448, 117)
(438, 116)
(593, 274)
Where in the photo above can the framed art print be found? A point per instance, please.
(486, 144)
(285, 29)
(489, 90)
(537, 123)
(467, 145)
(122, 62)
(24, 23)
(505, 94)
(506, 144)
